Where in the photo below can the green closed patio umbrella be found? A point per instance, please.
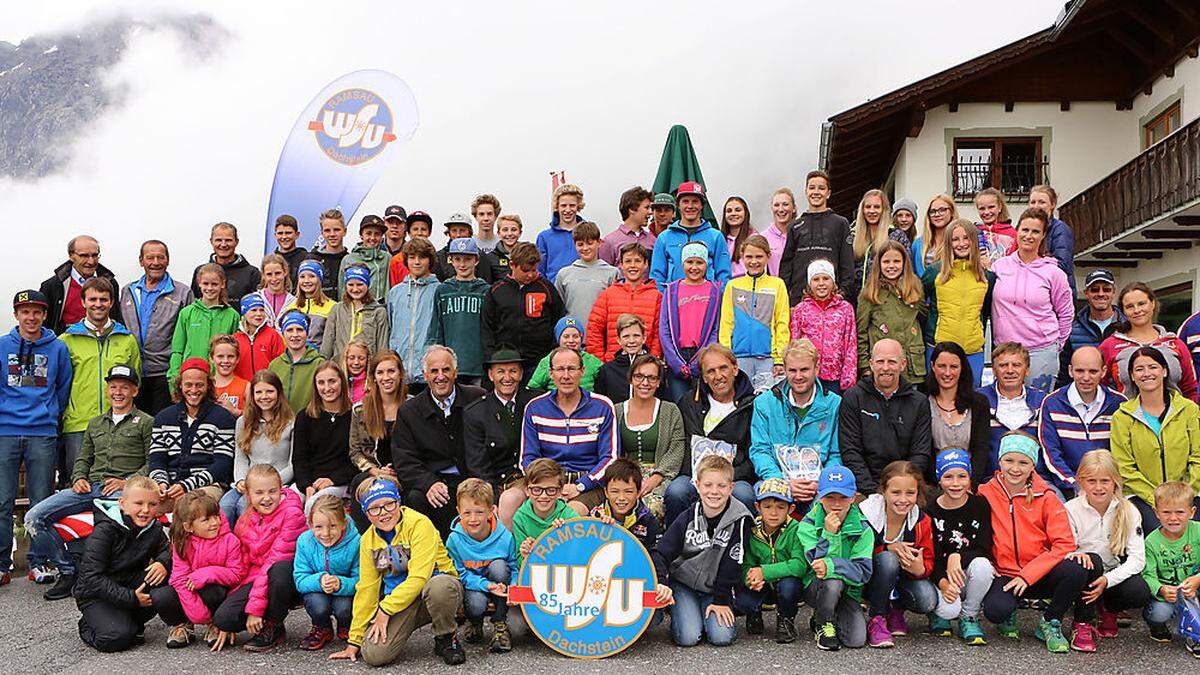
(679, 164)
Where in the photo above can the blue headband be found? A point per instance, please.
(952, 458)
(358, 272)
(1019, 443)
(311, 266)
(293, 319)
(380, 489)
(252, 301)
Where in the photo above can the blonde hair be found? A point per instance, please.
(757, 241)
(510, 216)
(1101, 463)
(908, 286)
(365, 486)
(568, 189)
(317, 298)
(276, 259)
(1170, 492)
(263, 471)
(360, 343)
(332, 214)
(862, 244)
(801, 348)
(927, 223)
(213, 268)
(947, 255)
(140, 482)
(626, 320)
(476, 490)
(714, 463)
(332, 507)
(1003, 215)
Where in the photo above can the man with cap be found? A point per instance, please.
(492, 429)
(1099, 317)
(635, 214)
(241, 278)
(192, 444)
(667, 260)
(151, 307)
(32, 396)
(420, 226)
(287, 231)
(457, 309)
(662, 213)
(64, 289)
(458, 226)
(370, 253)
(115, 446)
(1076, 419)
(396, 220)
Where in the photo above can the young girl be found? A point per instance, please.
(735, 225)
(957, 288)
(275, 289)
(209, 315)
(371, 424)
(206, 562)
(264, 436)
(230, 390)
(928, 246)
(892, 306)
(311, 299)
(903, 558)
(754, 317)
(1030, 544)
(688, 320)
(354, 361)
(871, 229)
(569, 333)
(358, 315)
(824, 317)
(1110, 546)
(321, 442)
(268, 534)
(326, 571)
(962, 543)
(258, 342)
(997, 237)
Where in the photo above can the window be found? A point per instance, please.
(1013, 165)
(1174, 304)
(1162, 125)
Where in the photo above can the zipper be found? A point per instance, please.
(1012, 516)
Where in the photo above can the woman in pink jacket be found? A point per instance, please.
(1031, 302)
(1139, 304)
(824, 317)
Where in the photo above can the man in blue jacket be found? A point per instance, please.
(556, 244)
(667, 259)
(1076, 419)
(35, 390)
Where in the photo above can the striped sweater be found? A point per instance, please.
(192, 455)
(1065, 438)
(584, 442)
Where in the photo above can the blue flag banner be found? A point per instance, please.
(338, 148)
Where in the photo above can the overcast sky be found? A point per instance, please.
(507, 92)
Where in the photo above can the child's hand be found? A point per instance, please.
(949, 589)
(240, 486)
(254, 624)
(377, 631)
(819, 568)
(526, 547)
(1082, 558)
(320, 484)
(557, 522)
(664, 595)
(607, 520)
(1169, 593)
(954, 570)
(142, 596)
(1189, 586)
(724, 615)
(156, 573)
(224, 639)
(754, 578)
(500, 590)
(833, 522)
(1016, 586)
(1094, 590)
(330, 583)
(350, 653)
(175, 492)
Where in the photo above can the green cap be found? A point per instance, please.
(663, 199)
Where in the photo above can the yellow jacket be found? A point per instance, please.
(1146, 460)
(755, 317)
(960, 306)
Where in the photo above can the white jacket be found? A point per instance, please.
(1091, 536)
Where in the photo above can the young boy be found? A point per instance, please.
(1172, 559)
(299, 361)
(667, 260)
(258, 342)
(569, 333)
(485, 209)
(509, 229)
(556, 243)
(395, 218)
(457, 307)
(370, 253)
(458, 226)
(485, 556)
(333, 231)
(410, 305)
(126, 554)
(287, 230)
(700, 557)
(405, 580)
(634, 229)
(622, 504)
(584, 279)
(543, 508)
(522, 310)
(775, 559)
(755, 317)
(631, 294)
(837, 545)
(818, 233)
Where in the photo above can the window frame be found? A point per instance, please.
(1162, 119)
(996, 178)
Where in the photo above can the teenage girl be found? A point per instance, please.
(892, 305)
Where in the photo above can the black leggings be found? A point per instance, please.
(109, 628)
(1062, 585)
(230, 616)
(1132, 593)
(356, 513)
(166, 602)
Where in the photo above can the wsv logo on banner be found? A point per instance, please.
(587, 589)
(355, 126)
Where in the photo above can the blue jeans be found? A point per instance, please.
(39, 453)
(688, 623)
(320, 606)
(915, 595)
(1043, 368)
(475, 602)
(681, 494)
(787, 594)
(233, 504)
(677, 387)
(47, 544)
(760, 370)
(1158, 611)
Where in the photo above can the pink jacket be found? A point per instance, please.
(206, 561)
(266, 540)
(831, 327)
(1031, 303)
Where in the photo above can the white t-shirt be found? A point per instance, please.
(717, 411)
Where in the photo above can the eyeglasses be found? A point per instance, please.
(383, 507)
(539, 491)
(941, 210)
(562, 370)
(639, 377)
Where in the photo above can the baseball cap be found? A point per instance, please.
(395, 211)
(663, 199)
(773, 488)
(195, 364)
(122, 371)
(836, 480)
(463, 246)
(420, 215)
(689, 187)
(30, 297)
(1097, 276)
(371, 220)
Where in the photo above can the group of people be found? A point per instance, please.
(793, 415)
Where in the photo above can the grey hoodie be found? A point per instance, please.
(581, 283)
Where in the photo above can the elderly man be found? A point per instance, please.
(64, 290)
(241, 278)
(492, 429)
(883, 419)
(427, 443)
(1076, 419)
(150, 306)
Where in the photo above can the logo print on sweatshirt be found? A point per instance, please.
(354, 126)
(534, 304)
(31, 371)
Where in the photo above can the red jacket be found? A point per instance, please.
(918, 530)
(265, 541)
(397, 270)
(1029, 537)
(206, 561)
(622, 298)
(256, 352)
(1117, 348)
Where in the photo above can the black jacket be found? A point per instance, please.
(331, 264)
(241, 279)
(426, 442)
(55, 290)
(874, 431)
(612, 380)
(485, 266)
(115, 558)
(523, 316)
(734, 429)
(980, 445)
(321, 449)
(501, 267)
(294, 257)
(492, 446)
(817, 235)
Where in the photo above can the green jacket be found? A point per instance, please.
(1171, 562)
(779, 556)
(457, 307)
(896, 319)
(528, 525)
(541, 375)
(91, 357)
(1147, 460)
(847, 554)
(196, 326)
(114, 450)
(377, 261)
(297, 377)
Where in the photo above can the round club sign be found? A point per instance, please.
(353, 126)
(587, 588)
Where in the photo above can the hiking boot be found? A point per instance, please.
(1107, 623)
(210, 635)
(754, 623)
(785, 630)
(43, 574)
(1160, 632)
(1084, 637)
(316, 639)
(450, 649)
(878, 635)
(1008, 627)
(1192, 647)
(179, 637)
(827, 638)
(473, 634)
(1123, 619)
(5, 579)
(61, 589)
(971, 632)
(896, 623)
(501, 638)
(938, 627)
(343, 633)
(1050, 632)
(270, 637)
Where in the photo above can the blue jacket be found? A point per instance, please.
(1066, 439)
(557, 247)
(775, 422)
(1085, 333)
(1033, 399)
(1189, 332)
(410, 313)
(667, 264)
(471, 557)
(668, 328)
(1062, 247)
(584, 442)
(37, 385)
(313, 559)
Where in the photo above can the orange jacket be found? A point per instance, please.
(622, 298)
(1029, 537)
(397, 270)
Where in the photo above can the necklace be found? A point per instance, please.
(951, 409)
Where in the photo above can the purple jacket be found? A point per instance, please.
(668, 328)
(1031, 303)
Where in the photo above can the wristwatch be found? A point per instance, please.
(581, 487)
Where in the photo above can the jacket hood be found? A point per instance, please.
(997, 486)
(110, 509)
(78, 328)
(310, 355)
(423, 281)
(704, 225)
(874, 509)
(1038, 263)
(868, 386)
(238, 261)
(47, 337)
(457, 531)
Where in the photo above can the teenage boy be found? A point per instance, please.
(458, 226)
(774, 560)
(297, 365)
(287, 231)
(420, 224)
(396, 220)
(817, 233)
(700, 558)
(522, 310)
(150, 307)
(509, 229)
(634, 228)
(485, 556)
(555, 243)
(584, 279)
(485, 209)
(666, 263)
(662, 213)
(457, 307)
(33, 395)
(258, 342)
(330, 255)
(410, 307)
(64, 288)
(369, 253)
(632, 293)
(623, 505)
(543, 508)
(241, 278)
(1172, 559)
(115, 446)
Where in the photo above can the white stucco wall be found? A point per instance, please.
(1184, 86)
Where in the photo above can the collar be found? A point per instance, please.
(446, 405)
(638, 233)
(79, 278)
(165, 285)
(1001, 397)
(93, 328)
(1076, 400)
(504, 401)
(812, 396)
(630, 519)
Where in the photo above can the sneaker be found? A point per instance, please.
(449, 648)
(5, 579)
(938, 627)
(316, 639)
(43, 574)
(1008, 627)
(270, 637)
(1084, 637)
(1050, 632)
(179, 637)
(1192, 647)
(473, 633)
(785, 630)
(896, 623)
(878, 635)
(971, 632)
(1107, 623)
(343, 633)
(754, 623)
(827, 638)
(501, 638)
(1124, 620)
(211, 634)
(61, 589)
(1160, 632)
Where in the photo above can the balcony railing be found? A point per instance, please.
(1013, 177)
(1161, 179)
